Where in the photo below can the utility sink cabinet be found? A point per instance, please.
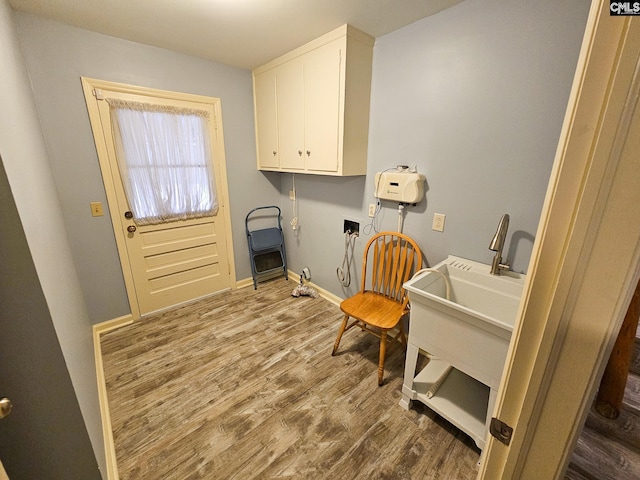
(465, 339)
(312, 106)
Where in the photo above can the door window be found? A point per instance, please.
(164, 158)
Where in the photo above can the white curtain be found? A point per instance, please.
(165, 162)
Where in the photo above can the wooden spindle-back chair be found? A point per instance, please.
(381, 303)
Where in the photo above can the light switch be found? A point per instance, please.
(96, 209)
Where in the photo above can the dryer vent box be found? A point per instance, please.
(401, 187)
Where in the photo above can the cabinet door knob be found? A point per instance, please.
(308, 153)
(299, 153)
(274, 153)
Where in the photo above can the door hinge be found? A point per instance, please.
(98, 94)
(501, 430)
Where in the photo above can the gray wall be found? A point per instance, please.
(475, 97)
(45, 429)
(31, 180)
(57, 56)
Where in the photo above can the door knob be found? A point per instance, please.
(5, 407)
(131, 228)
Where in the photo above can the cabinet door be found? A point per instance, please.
(266, 119)
(322, 107)
(290, 101)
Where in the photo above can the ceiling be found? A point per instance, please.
(241, 33)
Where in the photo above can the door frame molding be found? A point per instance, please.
(585, 264)
(89, 85)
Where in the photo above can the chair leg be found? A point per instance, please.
(383, 349)
(340, 332)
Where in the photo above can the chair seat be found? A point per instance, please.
(373, 309)
(265, 239)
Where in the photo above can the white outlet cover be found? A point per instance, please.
(438, 222)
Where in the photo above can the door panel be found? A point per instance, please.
(176, 261)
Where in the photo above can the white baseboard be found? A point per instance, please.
(107, 432)
(327, 295)
(104, 327)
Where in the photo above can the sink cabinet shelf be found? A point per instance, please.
(460, 399)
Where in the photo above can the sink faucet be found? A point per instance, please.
(497, 245)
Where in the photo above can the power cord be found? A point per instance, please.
(373, 224)
(349, 243)
(294, 205)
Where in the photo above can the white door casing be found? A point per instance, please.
(174, 262)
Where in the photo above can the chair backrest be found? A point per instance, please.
(391, 258)
(263, 217)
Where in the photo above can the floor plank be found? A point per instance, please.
(609, 449)
(624, 429)
(635, 358)
(631, 400)
(602, 459)
(243, 385)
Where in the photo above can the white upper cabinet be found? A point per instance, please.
(312, 106)
(264, 97)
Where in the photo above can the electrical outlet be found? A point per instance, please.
(96, 209)
(438, 222)
(372, 209)
(352, 227)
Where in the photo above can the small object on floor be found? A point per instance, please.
(304, 290)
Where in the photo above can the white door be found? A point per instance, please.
(174, 261)
(3, 473)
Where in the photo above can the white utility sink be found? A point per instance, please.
(470, 332)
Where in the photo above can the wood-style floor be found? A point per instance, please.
(242, 385)
(610, 449)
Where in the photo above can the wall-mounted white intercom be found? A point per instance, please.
(400, 186)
